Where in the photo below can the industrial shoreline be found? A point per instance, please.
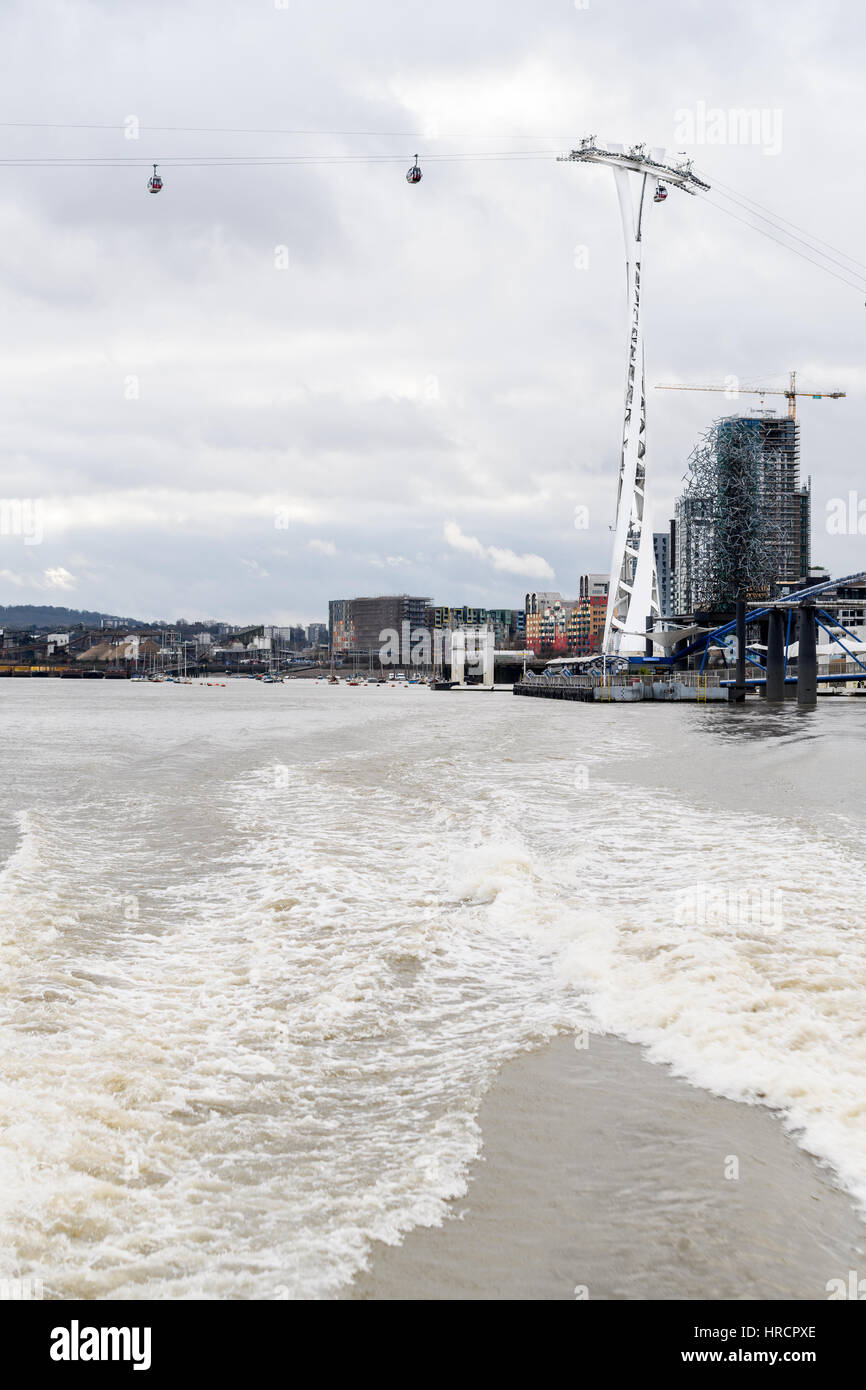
(602, 1176)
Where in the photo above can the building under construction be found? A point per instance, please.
(356, 625)
(743, 523)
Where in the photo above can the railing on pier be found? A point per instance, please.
(701, 680)
(595, 679)
(598, 685)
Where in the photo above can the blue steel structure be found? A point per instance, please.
(791, 601)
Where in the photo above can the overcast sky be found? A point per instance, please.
(420, 400)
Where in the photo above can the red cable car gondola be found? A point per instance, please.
(154, 183)
(660, 194)
(414, 175)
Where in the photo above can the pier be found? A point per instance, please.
(780, 670)
(628, 689)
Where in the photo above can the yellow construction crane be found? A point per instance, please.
(791, 393)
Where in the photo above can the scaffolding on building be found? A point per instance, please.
(740, 516)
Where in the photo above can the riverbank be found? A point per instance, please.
(601, 1172)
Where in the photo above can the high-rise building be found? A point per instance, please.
(586, 627)
(341, 626)
(744, 521)
(694, 538)
(783, 499)
(357, 624)
(664, 571)
(673, 535)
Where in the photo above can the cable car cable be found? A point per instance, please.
(717, 183)
(234, 161)
(557, 140)
(771, 221)
(253, 161)
(721, 208)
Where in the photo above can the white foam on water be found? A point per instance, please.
(282, 1066)
(752, 986)
(247, 1017)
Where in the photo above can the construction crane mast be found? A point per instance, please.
(791, 392)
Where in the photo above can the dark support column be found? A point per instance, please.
(740, 688)
(776, 655)
(807, 660)
(648, 650)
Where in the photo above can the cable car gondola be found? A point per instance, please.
(154, 183)
(414, 175)
(660, 194)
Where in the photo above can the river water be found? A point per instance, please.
(262, 949)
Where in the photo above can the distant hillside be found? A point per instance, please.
(36, 615)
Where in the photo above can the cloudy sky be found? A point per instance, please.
(273, 384)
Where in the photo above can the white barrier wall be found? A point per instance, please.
(471, 653)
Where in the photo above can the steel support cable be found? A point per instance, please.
(718, 183)
(851, 283)
(777, 227)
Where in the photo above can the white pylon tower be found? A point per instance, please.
(633, 589)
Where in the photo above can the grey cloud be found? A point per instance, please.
(430, 354)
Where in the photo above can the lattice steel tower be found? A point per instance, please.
(633, 592)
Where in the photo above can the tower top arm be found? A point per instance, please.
(640, 160)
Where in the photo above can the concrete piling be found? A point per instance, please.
(807, 660)
(776, 655)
